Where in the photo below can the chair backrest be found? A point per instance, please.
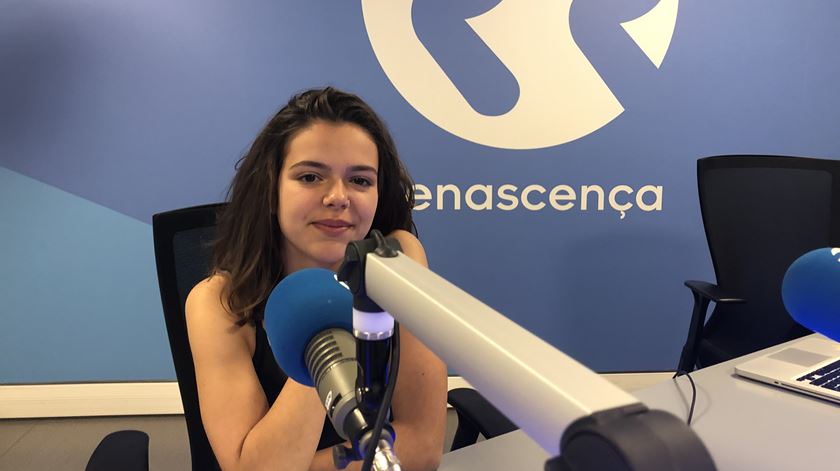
(760, 214)
(182, 256)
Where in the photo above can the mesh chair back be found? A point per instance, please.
(182, 254)
(760, 214)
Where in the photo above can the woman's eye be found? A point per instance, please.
(308, 178)
(362, 181)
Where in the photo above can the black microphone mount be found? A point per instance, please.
(377, 351)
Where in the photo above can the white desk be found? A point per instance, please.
(744, 424)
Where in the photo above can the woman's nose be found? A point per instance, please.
(337, 196)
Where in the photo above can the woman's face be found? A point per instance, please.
(326, 194)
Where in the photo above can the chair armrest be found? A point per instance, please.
(703, 293)
(476, 415)
(712, 292)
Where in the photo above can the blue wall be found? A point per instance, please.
(113, 111)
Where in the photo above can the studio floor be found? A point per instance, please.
(67, 443)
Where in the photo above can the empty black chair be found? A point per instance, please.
(182, 254)
(760, 214)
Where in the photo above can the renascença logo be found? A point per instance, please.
(561, 95)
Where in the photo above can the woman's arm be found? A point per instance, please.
(243, 431)
(419, 405)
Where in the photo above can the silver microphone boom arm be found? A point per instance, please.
(549, 395)
(538, 387)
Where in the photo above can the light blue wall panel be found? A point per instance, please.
(79, 290)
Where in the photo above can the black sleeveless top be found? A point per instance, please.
(272, 379)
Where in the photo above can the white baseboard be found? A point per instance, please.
(32, 401)
(89, 400)
(162, 398)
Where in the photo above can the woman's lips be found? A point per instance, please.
(332, 227)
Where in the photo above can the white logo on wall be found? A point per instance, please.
(533, 39)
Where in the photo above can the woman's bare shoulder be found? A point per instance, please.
(207, 304)
(209, 292)
(410, 245)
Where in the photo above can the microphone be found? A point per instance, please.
(811, 291)
(308, 323)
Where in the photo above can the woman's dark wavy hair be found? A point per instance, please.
(248, 246)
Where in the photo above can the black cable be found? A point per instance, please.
(393, 370)
(693, 393)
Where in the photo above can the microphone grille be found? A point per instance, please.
(328, 349)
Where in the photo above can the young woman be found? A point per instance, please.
(323, 172)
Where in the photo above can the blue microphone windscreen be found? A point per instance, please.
(301, 305)
(811, 291)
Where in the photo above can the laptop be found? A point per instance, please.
(810, 365)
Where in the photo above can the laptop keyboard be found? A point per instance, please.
(826, 377)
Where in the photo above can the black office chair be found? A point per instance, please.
(760, 214)
(476, 415)
(182, 254)
(126, 450)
